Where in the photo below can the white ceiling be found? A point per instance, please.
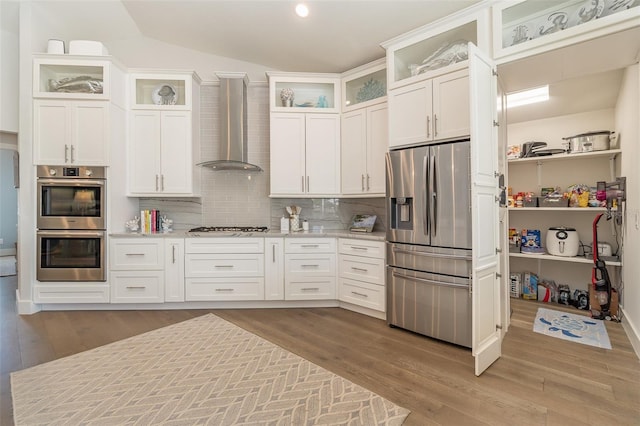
(335, 37)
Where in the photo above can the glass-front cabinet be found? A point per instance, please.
(71, 77)
(528, 27)
(308, 92)
(364, 86)
(161, 91)
(436, 48)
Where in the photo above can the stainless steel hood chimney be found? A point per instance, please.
(233, 125)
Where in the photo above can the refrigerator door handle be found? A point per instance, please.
(433, 203)
(439, 283)
(425, 189)
(435, 255)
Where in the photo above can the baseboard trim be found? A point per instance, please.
(26, 307)
(632, 332)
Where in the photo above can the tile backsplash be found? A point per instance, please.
(236, 198)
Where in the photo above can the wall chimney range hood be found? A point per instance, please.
(233, 125)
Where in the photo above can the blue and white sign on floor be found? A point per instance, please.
(571, 327)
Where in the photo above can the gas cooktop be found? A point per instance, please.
(229, 229)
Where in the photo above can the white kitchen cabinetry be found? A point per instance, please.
(75, 101)
(305, 154)
(174, 270)
(430, 110)
(524, 28)
(274, 269)
(310, 268)
(164, 141)
(137, 270)
(69, 132)
(364, 144)
(224, 269)
(361, 273)
(532, 174)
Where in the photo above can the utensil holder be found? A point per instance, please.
(294, 221)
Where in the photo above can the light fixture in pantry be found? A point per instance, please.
(526, 97)
(302, 10)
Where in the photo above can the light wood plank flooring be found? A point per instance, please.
(538, 381)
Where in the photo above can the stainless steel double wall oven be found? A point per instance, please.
(71, 223)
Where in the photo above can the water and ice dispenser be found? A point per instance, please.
(402, 213)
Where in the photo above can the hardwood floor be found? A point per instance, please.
(538, 381)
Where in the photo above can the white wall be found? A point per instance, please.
(628, 124)
(9, 66)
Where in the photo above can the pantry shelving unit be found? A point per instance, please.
(533, 174)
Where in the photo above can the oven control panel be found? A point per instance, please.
(79, 172)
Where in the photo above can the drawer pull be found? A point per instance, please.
(309, 245)
(134, 254)
(359, 248)
(223, 266)
(309, 266)
(136, 287)
(310, 288)
(359, 294)
(359, 269)
(224, 289)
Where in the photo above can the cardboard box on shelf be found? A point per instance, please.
(530, 286)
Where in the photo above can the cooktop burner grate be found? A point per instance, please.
(229, 229)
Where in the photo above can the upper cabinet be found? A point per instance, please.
(71, 77)
(164, 134)
(415, 56)
(161, 91)
(364, 86)
(528, 27)
(293, 92)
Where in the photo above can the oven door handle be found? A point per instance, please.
(71, 182)
(71, 233)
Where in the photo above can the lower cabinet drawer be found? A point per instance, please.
(321, 288)
(362, 294)
(137, 287)
(224, 265)
(309, 265)
(136, 254)
(71, 293)
(361, 268)
(208, 289)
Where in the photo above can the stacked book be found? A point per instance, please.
(150, 221)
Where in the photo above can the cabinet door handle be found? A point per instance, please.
(156, 182)
(435, 125)
(308, 187)
(136, 287)
(273, 254)
(359, 294)
(224, 289)
(72, 148)
(223, 266)
(134, 254)
(428, 126)
(302, 183)
(359, 269)
(368, 181)
(161, 182)
(173, 253)
(359, 248)
(66, 153)
(362, 182)
(310, 289)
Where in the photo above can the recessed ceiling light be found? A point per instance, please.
(302, 10)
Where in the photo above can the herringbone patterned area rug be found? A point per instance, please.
(201, 371)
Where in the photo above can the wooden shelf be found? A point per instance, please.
(560, 258)
(612, 153)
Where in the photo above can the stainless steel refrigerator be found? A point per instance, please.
(429, 267)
